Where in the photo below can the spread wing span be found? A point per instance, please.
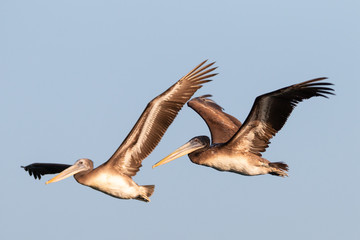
(270, 112)
(156, 118)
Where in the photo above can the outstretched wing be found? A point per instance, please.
(40, 169)
(222, 126)
(270, 112)
(156, 118)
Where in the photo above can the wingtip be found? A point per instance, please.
(205, 96)
(313, 80)
(207, 61)
(200, 69)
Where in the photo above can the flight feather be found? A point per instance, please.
(156, 118)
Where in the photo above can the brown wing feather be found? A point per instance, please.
(40, 169)
(156, 118)
(222, 126)
(270, 112)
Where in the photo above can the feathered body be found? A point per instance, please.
(237, 147)
(114, 177)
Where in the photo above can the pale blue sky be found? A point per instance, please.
(76, 75)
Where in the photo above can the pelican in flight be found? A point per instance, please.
(237, 148)
(114, 177)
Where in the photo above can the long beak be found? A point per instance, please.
(187, 148)
(74, 169)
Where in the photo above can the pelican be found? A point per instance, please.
(237, 148)
(114, 177)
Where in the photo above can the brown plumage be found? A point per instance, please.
(238, 148)
(114, 176)
(222, 126)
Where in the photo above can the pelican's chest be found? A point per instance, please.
(230, 162)
(103, 180)
(116, 185)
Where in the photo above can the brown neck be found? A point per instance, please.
(82, 177)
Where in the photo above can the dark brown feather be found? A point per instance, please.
(222, 126)
(270, 112)
(156, 118)
(40, 169)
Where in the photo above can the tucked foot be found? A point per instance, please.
(279, 169)
(143, 198)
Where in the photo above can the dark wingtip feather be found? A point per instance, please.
(312, 80)
(31, 173)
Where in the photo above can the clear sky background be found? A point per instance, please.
(76, 75)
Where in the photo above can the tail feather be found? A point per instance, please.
(280, 165)
(146, 192)
(279, 168)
